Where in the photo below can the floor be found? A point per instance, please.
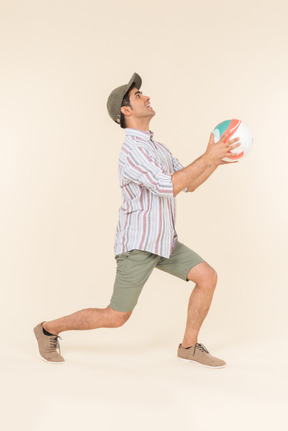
(111, 380)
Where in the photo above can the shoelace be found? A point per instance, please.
(201, 347)
(54, 343)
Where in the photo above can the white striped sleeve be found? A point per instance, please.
(142, 168)
(177, 167)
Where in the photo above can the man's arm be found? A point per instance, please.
(206, 174)
(189, 176)
(202, 178)
(197, 172)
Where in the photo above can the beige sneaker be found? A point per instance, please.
(199, 353)
(47, 345)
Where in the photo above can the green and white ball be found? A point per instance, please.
(238, 129)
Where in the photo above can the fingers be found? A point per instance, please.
(225, 135)
(223, 162)
(231, 147)
(218, 152)
(231, 142)
(234, 140)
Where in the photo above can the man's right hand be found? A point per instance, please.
(215, 152)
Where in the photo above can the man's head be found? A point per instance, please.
(128, 106)
(136, 111)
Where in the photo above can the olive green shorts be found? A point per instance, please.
(134, 268)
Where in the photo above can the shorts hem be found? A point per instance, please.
(121, 311)
(189, 269)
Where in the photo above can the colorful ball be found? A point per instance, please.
(238, 129)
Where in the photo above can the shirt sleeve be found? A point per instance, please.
(177, 167)
(141, 167)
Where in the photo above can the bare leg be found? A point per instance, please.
(200, 300)
(88, 318)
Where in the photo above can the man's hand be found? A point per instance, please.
(197, 172)
(216, 152)
(223, 162)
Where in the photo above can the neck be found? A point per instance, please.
(139, 124)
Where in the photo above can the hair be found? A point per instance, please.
(125, 102)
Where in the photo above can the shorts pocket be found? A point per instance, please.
(123, 256)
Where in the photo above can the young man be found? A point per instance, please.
(150, 179)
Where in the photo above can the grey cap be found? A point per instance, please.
(116, 96)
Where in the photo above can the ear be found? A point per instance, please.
(126, 110)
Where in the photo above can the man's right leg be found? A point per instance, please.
(47, 336)
(133, 269)
(88, 318)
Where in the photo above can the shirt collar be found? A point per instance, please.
(143, 134)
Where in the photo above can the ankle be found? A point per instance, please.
(185, 344)
(50, 329)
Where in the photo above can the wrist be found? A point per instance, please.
(217, 163)
(208, 160)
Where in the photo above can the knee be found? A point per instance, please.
(121, 320)
(211, 277)
(118, 318)
(203, 275)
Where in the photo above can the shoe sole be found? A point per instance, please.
(196, 362)
(49, 362)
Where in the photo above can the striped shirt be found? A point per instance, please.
(148, 212)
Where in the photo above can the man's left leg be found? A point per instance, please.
(186, 264)
(200, 300)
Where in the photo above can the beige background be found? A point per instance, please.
(201, 63)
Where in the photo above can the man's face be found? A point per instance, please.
(140, 104)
